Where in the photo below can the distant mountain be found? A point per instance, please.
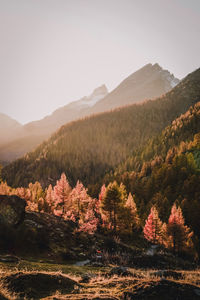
(89, 148)
(8, 128)
(66, 114)
(16, 140)
(149, 82)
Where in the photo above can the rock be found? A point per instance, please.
(119, 271)
(85, 278)
(82, 263)
(9, 259)
(12, 209)
(152, 250)
(38, 285)
(96, 264)
(49, 233)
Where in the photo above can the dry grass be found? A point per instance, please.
(100, 285)
(4, 292)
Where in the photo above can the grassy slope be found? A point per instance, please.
(142, 283)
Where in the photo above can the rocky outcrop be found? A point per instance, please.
(49, 233)
(12, 210)
(39, 234)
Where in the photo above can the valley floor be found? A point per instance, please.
(38, 280)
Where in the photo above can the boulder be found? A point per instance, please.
(12, 210)
(48, 233)
(85, 278)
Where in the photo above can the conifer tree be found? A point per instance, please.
(129, 219)
(36, 191)
(79, 199)
(113, 202)
(179, 235)
(49, 199)
(62, 191)
(130, 204)
(153, 227)
(5, 189)
(89, 222)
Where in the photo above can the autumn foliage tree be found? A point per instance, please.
(153, 227)
(49, 199)
(89, 222)
(179, 235)
(79, 199)
(132, 209)
(62, 191)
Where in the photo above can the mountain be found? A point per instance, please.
(32, 134)
(7, 126)
(66, 114)
(89, 148)
(149, 82)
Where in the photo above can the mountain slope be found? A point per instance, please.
(66, 114)
(8, 128)
(149, 82)
(181, 130)
(88, 149)
(167, 170)
(15, 143)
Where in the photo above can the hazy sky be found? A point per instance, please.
(55, 51)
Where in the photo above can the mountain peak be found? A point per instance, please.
(101, 90)
(98, 94)
(156, 66)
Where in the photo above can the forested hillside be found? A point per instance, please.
(90, 148)
(167, 170)
(180, 131)
(163, 189)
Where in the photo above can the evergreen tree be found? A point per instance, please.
(153, 227)
(79, 199)
(49, 199)
(113, 202)
(130, 218)
(5, 189)
(62, 191)
(179, 235)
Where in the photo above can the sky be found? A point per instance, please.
(53, 52)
